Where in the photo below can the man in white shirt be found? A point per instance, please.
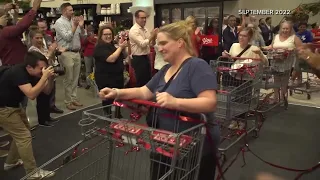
(69, 29)
(140, 39)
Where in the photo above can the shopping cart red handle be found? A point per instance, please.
(144, 102)
(240, 58)
(245, 58)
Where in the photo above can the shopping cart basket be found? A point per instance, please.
(118, 148)
(239, 82)
(276, 76)
(311, 83)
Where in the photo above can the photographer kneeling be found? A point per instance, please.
(43, 100)
(27, 79)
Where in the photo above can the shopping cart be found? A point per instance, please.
(239, 82)
(276, 76)
(311, 83)
(117, 148)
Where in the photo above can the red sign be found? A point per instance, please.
(209, 40)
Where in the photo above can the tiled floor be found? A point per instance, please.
(87, 98)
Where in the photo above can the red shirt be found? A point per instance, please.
(12, 50)
(196, 44)
(316, 32)
(88, 45)
(49, 33)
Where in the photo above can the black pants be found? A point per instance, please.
(110, 81)
(43, 108)
(53, 96)
(142, 69)
(206, 171)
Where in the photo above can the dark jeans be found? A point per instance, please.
(110, 81)
(142, 69)
(53, 96)
(43, 108)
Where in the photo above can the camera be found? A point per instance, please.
(59, 70)
(57, 53)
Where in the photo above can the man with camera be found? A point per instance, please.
(69, 30)
(27, 79)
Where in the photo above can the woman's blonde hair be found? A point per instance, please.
(180, 30)
(292, 32)
(191, 21)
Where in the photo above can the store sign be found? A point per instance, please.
(209, 40)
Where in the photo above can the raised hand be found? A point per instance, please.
(75, 21)
(81, 21)
(36, 4)
(48, 72)
(53, 47)
(3, 20)
(123, 44)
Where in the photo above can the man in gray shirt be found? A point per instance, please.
(69, 29)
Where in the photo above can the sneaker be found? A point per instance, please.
(10, 166)
(71, 107)
(56, 110)
(46, 124)
(40, 174)
(53, 120)
(4, 143)
(77, 103)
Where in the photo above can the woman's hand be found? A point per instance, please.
(53, 47)
(3, 20)
(267, 47)
(123, 44)
(256, 50)
(225, 54)
(62, 49)
(166, 100)
(107, 93)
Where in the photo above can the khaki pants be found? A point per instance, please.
(72, 63)
(15, 122)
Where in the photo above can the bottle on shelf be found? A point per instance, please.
(117, 8)
(85, 15)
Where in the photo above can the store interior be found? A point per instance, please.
(287, 139)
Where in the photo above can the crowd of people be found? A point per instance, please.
(183, 81)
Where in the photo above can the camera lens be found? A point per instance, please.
(59, 70)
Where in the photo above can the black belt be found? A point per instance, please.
(75, 51)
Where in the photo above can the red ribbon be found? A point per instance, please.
(244, 69)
